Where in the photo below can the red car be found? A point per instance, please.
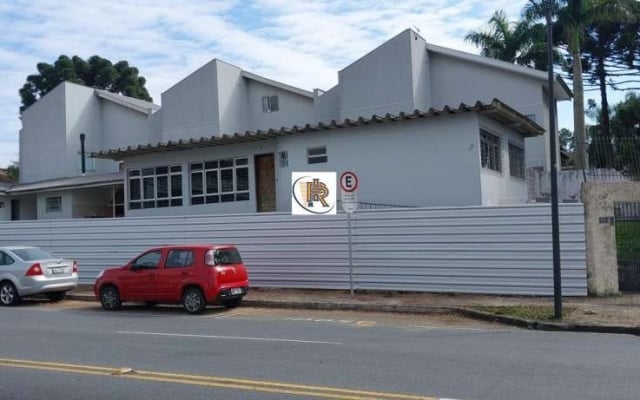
(194, 275)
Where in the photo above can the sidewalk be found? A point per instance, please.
(617, 314)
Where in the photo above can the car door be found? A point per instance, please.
(139, 281)
(177, 268)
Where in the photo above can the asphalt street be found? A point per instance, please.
(74, 350)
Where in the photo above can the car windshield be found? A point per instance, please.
(227, 256)
(31, 253)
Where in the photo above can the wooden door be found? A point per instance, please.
(265, 182)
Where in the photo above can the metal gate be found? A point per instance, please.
(627, 217)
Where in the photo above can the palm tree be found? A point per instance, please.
(574, 16)
(522, 42)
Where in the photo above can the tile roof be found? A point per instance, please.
(496, 110)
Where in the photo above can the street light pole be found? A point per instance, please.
(555, 223)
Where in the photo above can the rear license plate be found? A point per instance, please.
(57, 270)
(235, 291)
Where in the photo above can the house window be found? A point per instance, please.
(219, 181)
(490, 151)
(155, 187)
(270, 104)
(516, 161)
(284, 159)
(316, 155)
(53, 204)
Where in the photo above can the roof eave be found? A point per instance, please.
(496, 109)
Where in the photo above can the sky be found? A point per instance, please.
(301, 43)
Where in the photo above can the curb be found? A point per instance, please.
(414, 309)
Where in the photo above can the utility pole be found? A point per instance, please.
(555, 223)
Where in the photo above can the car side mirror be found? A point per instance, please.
(135, 267)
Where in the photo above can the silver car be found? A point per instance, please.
(27, 271)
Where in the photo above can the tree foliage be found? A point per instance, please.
(13, 171)
(96, 72)
(521, 42)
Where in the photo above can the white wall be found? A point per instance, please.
(185, 157)
(83, 115)
(122, 127)
(189, 108)
(67, 205)
(380, 82)
(431, 162)
(454, 81)
(500, 188)
(232, 99)
(420, 72)
(43, 152)
(326, 106)
(294, 109)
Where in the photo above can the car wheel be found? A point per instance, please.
(193, 301)
(110, 298)
(8, 294)
(56, 296)
(231, 303)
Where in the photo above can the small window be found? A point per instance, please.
(270, 104)
(284, 159)
(54, 204)
(317, 155)
(516, 161)
(5, 259)
(179, 258)
(490, 151)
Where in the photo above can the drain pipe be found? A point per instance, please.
(82, 153)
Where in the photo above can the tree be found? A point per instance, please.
(13, 171)
(96, 72)
(574, 17)
(567, 140)
(523, 42)
(609, 51)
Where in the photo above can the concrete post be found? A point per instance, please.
(600, 231)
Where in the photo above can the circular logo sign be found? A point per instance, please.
(348, 181)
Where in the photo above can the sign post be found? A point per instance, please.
(349, 186)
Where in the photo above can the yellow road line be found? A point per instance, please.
(213, 381)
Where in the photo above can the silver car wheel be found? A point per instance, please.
(193, 301)
(7, 294)
(110, 298)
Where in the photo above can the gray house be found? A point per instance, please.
(422, 125)
(52, 182)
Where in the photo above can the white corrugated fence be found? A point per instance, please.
(496, 250)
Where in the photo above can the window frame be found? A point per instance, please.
(493, 142)
(48, 207)
(317, 158)
(137, 176)
(270, 103)
(519, 154)
(199, 168)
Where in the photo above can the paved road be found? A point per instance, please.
(74, 350)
